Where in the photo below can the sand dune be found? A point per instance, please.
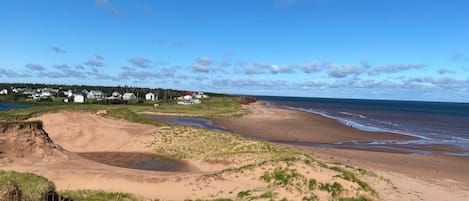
(90, 132)
(53, 155)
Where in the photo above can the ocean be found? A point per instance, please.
(434, 123)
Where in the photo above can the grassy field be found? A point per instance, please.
(212, 107)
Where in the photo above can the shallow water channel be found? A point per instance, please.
(140, 161)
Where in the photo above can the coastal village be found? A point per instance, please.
(69, 95)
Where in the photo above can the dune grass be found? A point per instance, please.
(214, 146)
(87, 195)
(23, 186)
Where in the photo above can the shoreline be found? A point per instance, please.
(292, 126)
(286, 125)
(279, 123)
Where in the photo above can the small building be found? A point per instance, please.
(187, 100)
(95, 94)
(201, 95)
(4, 92)
(151, 96)
(68, 93)
(115, 96)
(129, 97)
(78, 98)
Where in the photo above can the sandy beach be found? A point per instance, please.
(422, 177)
(295, 126)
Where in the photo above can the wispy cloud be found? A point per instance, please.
(140, 62)
(143, 75)
(94, 63)
(275, 69)
(442, 71)
(337, 71)
(99, 57)
(57, 49)
(9, 73)
(109, 7)
(250, 70)
(35, 67)
(204, 64)
(460, 57)
(312, 67)
(394, 68)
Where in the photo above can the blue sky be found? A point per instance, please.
(410, 50)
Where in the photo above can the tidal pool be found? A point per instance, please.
(140, 161)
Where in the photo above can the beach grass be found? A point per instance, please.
(23, 186)
(214, 146)
(87, 195)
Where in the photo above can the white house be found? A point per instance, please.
(4, 92)
(151, 96)
(77, 98)
(115, 96)
(95, 94)
(68, 93)
(129, 96)
(201, 95)
(187, 100)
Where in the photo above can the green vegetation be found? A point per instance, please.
(312, 197)
(347, 175)
(23, 186)
(312, 184)
(210, 107)
(86, 195)
(280, 176)
(354, 199)
(214, 146)
(335, 188)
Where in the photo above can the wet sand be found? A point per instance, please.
(295, 126)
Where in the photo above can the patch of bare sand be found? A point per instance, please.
(88, 132)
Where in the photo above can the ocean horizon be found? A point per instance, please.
(433, 123)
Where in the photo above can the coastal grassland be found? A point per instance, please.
(214, 146)
(283, 173)
(23, 186)
(211, 107)
(87, 195)
(16, 186)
